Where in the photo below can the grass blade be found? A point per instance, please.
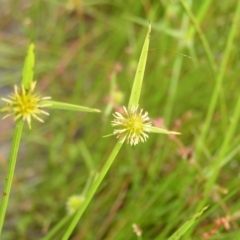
(162, 130)
(186, 225)
(68, 106)
(137, 84)
(27, 74)
(202, 37)
(92, 190)
(213, 102)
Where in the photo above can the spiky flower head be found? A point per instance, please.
(25, 104)
(132, 126)
(74, 203)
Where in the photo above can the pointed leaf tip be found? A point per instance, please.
(137, 83)
(180, 232)
(68, 106)
(162, 130)
(28, 71)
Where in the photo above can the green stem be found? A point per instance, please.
(203, 8)
(172, 90)
(92, 190)
(67, 218)
(217, 88)
(232, 127)
(201, 36)
(223, 151)
(57, 228)
(10, 173)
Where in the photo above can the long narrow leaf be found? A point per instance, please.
(137, 84)
(162, 130)
(27, 74)
(67, 106)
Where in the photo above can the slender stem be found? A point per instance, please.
(232, 127)
(201, 36)
(86, 156)
(57, 228)
(212, 64)
(92, 190)
(172, 89)
(218, 78)
(67, 218)
(203, 8)
(10, 172)
(223, 150)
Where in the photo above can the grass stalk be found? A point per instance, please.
(58, 227)
(10, 172)
(232, 127)
(203, 8)
(201, 36)
(224, 148)
(92, 190)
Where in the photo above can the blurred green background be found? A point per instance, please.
(87, 53)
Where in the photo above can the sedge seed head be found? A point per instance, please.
(132, 126)
(74, 203)
(25, 104)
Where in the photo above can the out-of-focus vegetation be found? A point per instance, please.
(87, 53)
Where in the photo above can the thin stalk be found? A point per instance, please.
(86, 156)
(67, 218)
(218, 163)
(223, 151)
(217, 89)
(10, 172)
(236, 115)
(218, 84)
(201, 36)
(200, 16)
(58, 227)
(92, 190)
(232, 127)
(172, 89)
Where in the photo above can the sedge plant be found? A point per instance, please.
(131, 126)
(24, 105)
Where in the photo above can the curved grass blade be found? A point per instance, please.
(27, 73)
(68, 106)
(137, 84)
(179, 233)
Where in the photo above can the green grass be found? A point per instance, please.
(155, 184)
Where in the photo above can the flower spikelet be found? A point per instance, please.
(25, 104)
(74, 203)
(132, 126)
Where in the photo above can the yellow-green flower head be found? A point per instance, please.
(74, 203)
(132, 125)
(25, 104)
